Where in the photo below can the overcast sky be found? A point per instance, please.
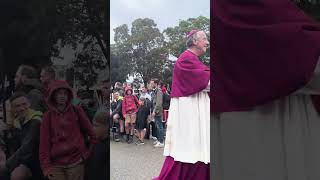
(165, 13)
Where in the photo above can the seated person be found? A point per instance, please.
(23, 163)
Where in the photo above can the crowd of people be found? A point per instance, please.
(140, 114)
(50, 133)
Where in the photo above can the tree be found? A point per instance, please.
(83, 26)
(33, 32)
(120, 55)
(120, 68)
(310, 7)
(142, 49)
(176, 36)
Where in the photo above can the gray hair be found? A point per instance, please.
(190, 39)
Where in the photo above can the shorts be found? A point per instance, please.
(131, 118)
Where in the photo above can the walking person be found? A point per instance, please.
(187, 145)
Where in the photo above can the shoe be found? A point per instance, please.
(127, 138)
(154, 138)
(130, 140)
(155, 142)
(123, 138)
(159, 145)
(116, 138)
(139, 142)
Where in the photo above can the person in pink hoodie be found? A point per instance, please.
(129, 111)
(64, 127)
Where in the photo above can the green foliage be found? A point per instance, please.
(177, 35)
(143, 50)
(310, 7)
(33, 32)
(140, 51)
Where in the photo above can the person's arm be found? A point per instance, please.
(136, 102)
(45, 145)
(158, 107)
(124, 108)
(29, 145)
(87, 127)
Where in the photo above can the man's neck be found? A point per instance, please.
(195, 51)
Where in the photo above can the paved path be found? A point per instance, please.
(132, 162)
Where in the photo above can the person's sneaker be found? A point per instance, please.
(155, 142)
(140, 143)
(127, 138)
(154, 138)
(123, 138)
(116, 138)
(159, 145)
(130, 140)
(137, 142)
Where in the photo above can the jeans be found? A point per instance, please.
(154, 129)
(159, 125)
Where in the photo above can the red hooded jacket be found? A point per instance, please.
(129, 103)
(61, 140)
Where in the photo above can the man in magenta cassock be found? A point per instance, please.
(266, 78)
(187, 143)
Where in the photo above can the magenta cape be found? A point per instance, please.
(175, 170)
(262, 50)
(190, 75)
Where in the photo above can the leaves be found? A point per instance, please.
(144, 51)
(310, 7)
(138, 51)
(35, 31)
(176, 36)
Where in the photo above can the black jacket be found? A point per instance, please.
(117, 108)
(27, 143)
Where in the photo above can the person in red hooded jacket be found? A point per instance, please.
(62, 144)
(129, 111)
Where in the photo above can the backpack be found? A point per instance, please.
(166, 100)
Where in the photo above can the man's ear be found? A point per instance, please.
(195, 42)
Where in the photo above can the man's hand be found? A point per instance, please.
(153, 114)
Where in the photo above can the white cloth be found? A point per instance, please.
(188, 129)
(279, 140)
